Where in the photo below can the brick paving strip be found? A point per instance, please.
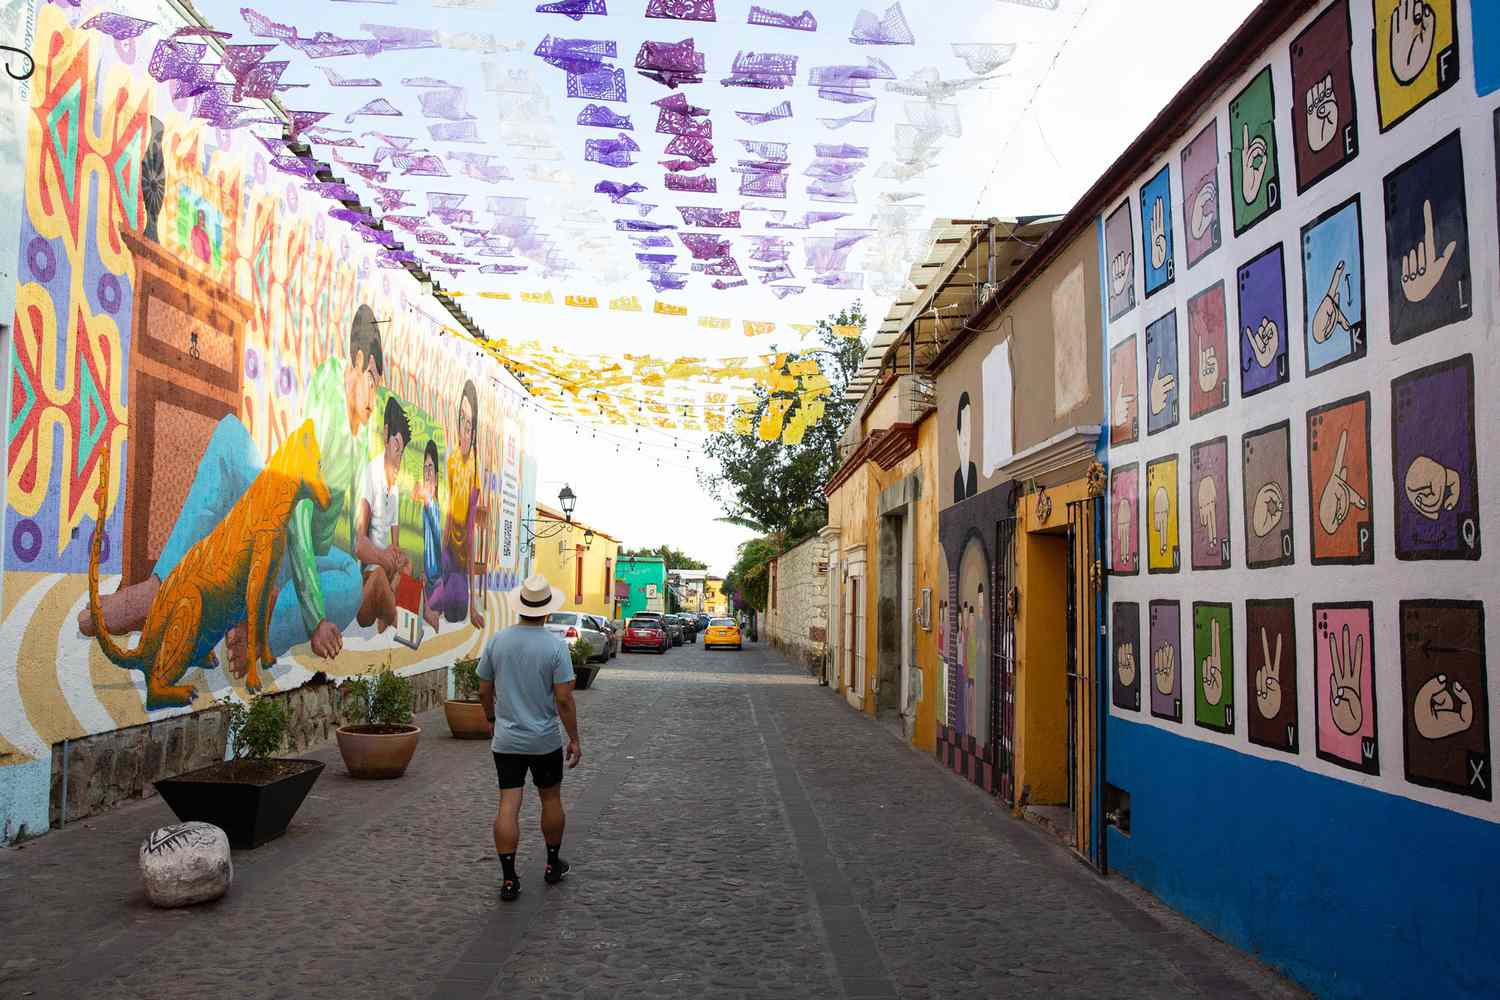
(860, 967)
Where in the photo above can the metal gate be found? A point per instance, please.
(1085, 728)
(1003, 663)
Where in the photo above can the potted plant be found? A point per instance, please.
(583, 671)
(253, 796)
(379, 739)
(465, 714)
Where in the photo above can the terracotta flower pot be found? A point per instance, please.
(377, 751)
(466, 720)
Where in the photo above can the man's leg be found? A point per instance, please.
(229, 465)
(511, 770)
(547, 773)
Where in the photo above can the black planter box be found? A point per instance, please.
(249, 814)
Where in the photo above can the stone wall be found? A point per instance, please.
(114, 767)
(797, 624)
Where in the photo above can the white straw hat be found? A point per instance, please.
(536, 598)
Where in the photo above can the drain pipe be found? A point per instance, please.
(63, 815)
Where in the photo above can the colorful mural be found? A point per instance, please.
(1334, 588)
(235, 439)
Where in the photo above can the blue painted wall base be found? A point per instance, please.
(25, 799)
(1352, 892)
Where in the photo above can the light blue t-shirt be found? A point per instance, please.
(525, 661)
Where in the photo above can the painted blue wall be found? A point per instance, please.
(1352, 892)
(25, 802)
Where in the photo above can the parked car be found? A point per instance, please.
(645, 634)
(722, 632)
(689, 628)
(575, 627)
(611, 630)
(673, 627)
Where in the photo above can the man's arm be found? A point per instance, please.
(568, 712)
(301, 550)
(487, 699)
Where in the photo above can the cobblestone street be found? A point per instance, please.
(735, 831)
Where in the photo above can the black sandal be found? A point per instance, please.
(556, 875)
(510, 889)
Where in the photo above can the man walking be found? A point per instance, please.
(526, 687)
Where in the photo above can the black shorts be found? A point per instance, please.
(546, 768)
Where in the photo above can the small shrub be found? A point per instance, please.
(385, 700)
(580, 652)
(258, 731)
(466, 679)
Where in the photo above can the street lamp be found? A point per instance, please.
(567, 500)
(588, 538)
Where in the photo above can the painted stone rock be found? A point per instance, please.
(186, 863)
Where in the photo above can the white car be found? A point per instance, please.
(575, 627)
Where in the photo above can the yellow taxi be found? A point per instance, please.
(722, 632)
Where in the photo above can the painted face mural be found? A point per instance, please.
(974, 641)
(966, 476)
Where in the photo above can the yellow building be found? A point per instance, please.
(715, 601)
(578, 560)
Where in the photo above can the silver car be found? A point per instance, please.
(612, 633)
(575, 627)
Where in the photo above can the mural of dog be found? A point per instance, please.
(227, 577)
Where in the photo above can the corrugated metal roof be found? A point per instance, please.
(949, 242)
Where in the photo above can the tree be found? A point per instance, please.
(775, 488)
(675, 559)
(749, 582)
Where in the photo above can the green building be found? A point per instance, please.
(646, 576)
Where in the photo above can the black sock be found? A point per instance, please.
(508, 866)
(552, 850)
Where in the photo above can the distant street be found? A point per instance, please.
(734, 832)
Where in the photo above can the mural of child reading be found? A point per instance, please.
(377, 523)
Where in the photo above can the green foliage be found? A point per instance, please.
(675, 558)
(580, 652)
(774, 488)
(749, 578)
(385, 700)
(256, 732)
(466, 679)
